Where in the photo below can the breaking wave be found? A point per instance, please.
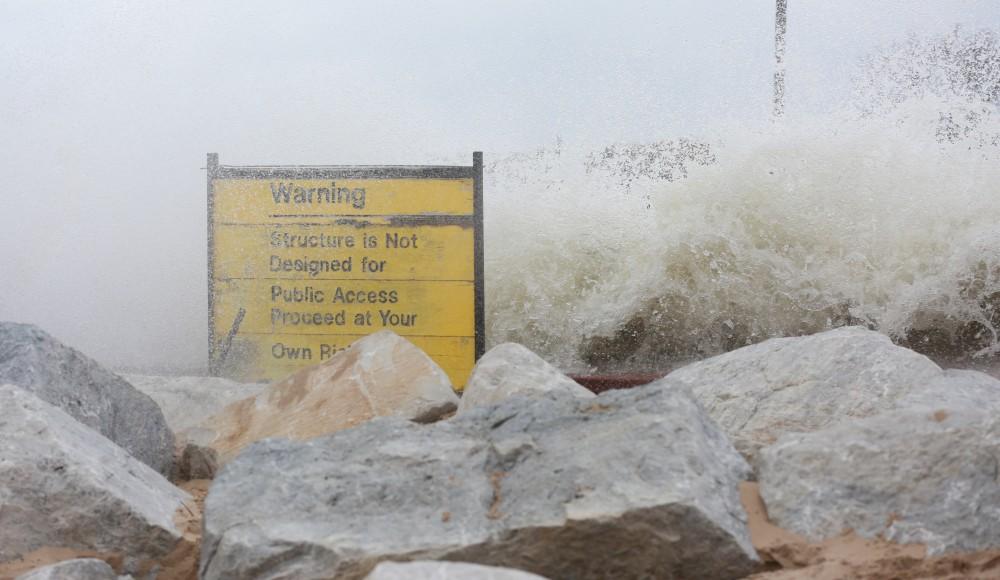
(598, 263)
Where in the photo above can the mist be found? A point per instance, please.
(110, 107)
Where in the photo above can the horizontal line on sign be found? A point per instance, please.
(347, 279)
(398, 220)
(469, 336)
(345, 171)
(327, 224)
(373, 215)
(376, 215)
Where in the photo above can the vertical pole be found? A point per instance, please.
(212, 166)
(780, 26)
(479, 269)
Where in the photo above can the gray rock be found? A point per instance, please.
(923, 476)
(955, 388)
(446, 571)
(803, 384)
(187, 401)
(81, 569)
(535, 484)
(510, 369)
(64, 485)
(92, 395)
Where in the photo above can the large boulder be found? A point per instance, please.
(510, 369)
(94, 396)
(79, 569)
(445, 571)
(64, 485)
(802, 384)
(926, 476)
(187, 401)
(382, 374)
(955, 388)
(537, 484)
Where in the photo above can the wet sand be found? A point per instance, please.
(788, 556)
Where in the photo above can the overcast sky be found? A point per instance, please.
(108, 109)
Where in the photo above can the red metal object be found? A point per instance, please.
(601, 383)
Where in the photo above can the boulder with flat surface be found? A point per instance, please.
(64, 485)
(91, 394)
(382, 374)
(534, 483)
(511, 369)
(802, 384)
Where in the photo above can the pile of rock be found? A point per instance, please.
(369, 465)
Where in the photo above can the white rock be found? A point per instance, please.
(64, 485)
(510, 369)
(383, 374)
(446, 571)
(803, 384)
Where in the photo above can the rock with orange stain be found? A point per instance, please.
(186, 401)
(382, 374)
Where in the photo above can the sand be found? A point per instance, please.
(787, 556)
(784, 555)
(182, 563)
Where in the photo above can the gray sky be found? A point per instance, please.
(108, 110)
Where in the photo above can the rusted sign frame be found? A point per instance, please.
(475, 172)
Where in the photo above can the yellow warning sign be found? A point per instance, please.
(305, 260)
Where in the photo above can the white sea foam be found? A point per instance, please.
(796, 228)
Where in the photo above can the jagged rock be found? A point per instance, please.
(187, 401)
(803, 384)
(916, 476)
(510, 369)
(94, 396)
(446, 571)
(64, 485)
(535, 483)
(383, 374)
(80, 569)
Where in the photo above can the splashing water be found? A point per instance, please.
(789, 230)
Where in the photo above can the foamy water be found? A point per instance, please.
(796, 228)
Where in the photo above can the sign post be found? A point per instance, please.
(304, 260)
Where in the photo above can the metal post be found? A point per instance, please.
(212, 167)
(479, 250)
(780, 26)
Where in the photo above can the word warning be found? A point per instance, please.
(304, 260)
